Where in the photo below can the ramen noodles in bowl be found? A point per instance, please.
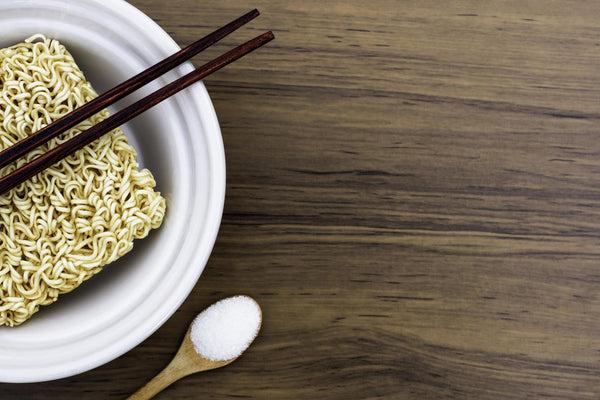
(61, 227)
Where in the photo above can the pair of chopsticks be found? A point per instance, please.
(84, 138)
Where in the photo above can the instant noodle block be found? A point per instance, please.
(64, 225)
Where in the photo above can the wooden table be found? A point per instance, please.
(413, 197)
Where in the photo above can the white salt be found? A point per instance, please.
(224, 330)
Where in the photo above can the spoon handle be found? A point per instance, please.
(186, 362)
(172, 373)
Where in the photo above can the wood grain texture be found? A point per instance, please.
(413, 197)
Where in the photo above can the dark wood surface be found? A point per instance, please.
(413, 197)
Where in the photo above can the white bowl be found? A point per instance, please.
(179, 141)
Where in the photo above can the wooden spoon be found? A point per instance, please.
(188, 361)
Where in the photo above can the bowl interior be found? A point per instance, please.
(177, 140)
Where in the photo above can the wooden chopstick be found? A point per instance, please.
(86, 137)
(68, 121)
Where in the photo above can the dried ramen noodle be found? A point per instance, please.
(62, 226)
